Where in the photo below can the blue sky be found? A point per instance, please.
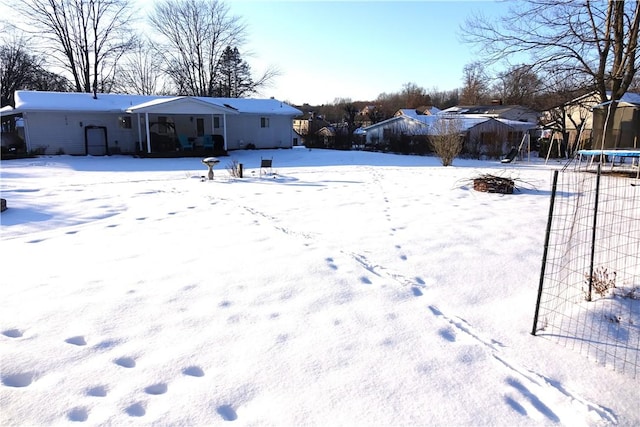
(358, 49)
(353, 49)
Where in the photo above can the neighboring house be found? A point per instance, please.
(327, 134)
(573, 117)
(76, 123)
(482, 135)
(418, 112)
(308, 123)
(625, 129)
(576, 117)
(496, 111)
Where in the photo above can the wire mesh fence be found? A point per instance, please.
(589, 295)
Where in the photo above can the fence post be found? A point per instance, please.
(554, 187)
(593, 232)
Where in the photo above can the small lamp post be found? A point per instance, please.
(211, 162)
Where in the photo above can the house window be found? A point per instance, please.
(264, 122)
(199, 126)
(216, 122)
(124, 122)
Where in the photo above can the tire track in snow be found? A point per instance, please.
(534, 385)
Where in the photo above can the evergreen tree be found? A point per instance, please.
(234, 75)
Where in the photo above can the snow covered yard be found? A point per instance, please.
(350, 288)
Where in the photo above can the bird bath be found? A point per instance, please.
(211, 162)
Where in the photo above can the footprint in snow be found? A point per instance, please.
(156, 389)
(136, 410)
(447, 334)
(193, 371)
(78, 414)
(12, 333)
(416, 291)
(227, 413)
(97, 391)
(78, 340)
(125, 362)
(435, 310)
(21, 379)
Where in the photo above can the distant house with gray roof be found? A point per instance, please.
(483, 135)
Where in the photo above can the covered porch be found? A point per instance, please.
(180, 127)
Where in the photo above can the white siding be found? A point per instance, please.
(64, 132)
(246, 129)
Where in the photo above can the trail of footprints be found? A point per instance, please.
(114, 225)
(82, 413)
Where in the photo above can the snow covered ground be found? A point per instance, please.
(350, 288)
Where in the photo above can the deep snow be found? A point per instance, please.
(350, 288)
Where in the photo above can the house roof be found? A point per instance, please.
(109, 102)
(628, 98)
(425, 123)
(496, 109)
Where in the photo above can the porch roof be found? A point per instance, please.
(181, 105)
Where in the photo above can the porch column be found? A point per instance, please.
(224, 130)
(139, 133)
(146, 124)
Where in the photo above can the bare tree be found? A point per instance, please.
(195, 34)
(411, 96)
(140, 71)
(86, 37)
(444, 99)
(414, 96)
(21, 70)
(597, 41)
(475, 87)
(446, 139)
(519, 85)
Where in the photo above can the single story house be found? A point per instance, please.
(79, 124)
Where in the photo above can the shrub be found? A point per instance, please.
(601, 281)
(446, 139)
(233, 167)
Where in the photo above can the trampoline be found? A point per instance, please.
(613, 154)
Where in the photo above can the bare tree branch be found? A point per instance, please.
(194, 35)
(86, 37)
